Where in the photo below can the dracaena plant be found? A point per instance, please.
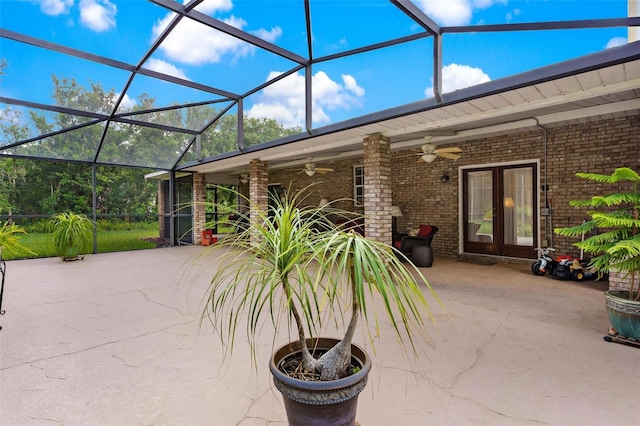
(615, 216)
(292, 263)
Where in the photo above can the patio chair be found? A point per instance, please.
(406, 242)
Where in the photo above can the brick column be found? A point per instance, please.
(199, 214)
(258, 189)
(621, 281)
(377, 188)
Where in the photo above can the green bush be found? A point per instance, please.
(72, 234)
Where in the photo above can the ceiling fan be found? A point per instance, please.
(429, 153)
(310, 168)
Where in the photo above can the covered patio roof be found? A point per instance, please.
(601, 86)
(180, 133)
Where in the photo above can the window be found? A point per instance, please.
(358, 186)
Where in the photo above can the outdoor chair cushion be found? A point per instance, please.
(408, 242)
(424, 231)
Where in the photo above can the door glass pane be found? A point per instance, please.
(184, 231)
(184, 195)
(480, 211)
(517, 202)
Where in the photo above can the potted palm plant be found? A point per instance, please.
(72, 235)
(296, 269)
(616, 247)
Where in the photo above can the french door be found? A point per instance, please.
(500, 210)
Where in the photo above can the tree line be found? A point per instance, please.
(64, 181)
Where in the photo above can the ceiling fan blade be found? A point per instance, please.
(323, 169)
(452, 149)
(449, 155)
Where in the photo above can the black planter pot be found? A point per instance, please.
(310, 403)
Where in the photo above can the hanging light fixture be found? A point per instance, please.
(428, 158)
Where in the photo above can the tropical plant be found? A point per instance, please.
(72, 234)
(615, 216)
(293, 262)
(9, 239)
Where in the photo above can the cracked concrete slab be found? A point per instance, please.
(115, 340)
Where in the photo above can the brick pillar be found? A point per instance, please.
(621, 281)
(377, 188)
(199, 214)
(258, 189)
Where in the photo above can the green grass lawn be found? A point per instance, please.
(108, 241)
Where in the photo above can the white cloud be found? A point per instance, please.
(55, 7)
(269, 36)
(166, 68)
(196, 44)
(456, 77)
(98, 15)
(209, 7)
(453, 12)
(616, 41)
(483, 4)
(127, 103)
(351, 85)
(509, 16)
(284, 100)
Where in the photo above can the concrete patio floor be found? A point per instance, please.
(114, 340)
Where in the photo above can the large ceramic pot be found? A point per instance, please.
(320, 403)
(624, 314)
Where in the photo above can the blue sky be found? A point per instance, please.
(347, 88)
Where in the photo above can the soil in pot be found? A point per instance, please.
(292, 366)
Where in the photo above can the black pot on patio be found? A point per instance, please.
(320, 403)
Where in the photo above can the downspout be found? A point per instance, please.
(545, 187)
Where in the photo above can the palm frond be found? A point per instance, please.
(292, 263)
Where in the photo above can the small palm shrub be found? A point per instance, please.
(9, 239)
(72, 234)
(292, 265)
(615, 215)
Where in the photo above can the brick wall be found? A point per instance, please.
(335, 186)
(598, 147)
(416, 188)
(622, 281)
